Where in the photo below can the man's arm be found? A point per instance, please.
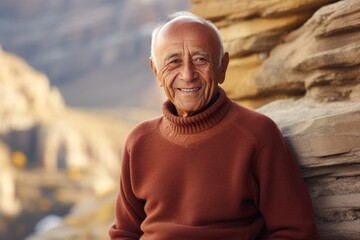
(283, 199)
(129, 211)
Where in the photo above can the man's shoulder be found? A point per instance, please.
(251, 117)
(254, 123)
(144, 129)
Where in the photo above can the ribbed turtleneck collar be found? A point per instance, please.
(199, 122)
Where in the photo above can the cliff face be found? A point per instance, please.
(25, 94)
(25, 99)
(304, 51)
(33, 110)
(51, 156)
(250, 31)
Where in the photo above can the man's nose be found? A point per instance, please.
(188, 71)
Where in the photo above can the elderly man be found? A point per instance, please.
(208, 168)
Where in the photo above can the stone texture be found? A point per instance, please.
(321, 57)
(326, 140)
(234, 9)
(259, 34)
(251, 27)
(279, 49)
(307, 51)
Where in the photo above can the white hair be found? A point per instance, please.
(182, 14)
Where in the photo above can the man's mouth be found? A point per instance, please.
(189, 89)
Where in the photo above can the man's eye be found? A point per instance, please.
(199, 60)
(174, 62)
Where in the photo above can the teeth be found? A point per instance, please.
(189, 89)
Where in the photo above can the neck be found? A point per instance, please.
(205, 119)
(213, 99)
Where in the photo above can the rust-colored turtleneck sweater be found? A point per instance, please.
(225, 173)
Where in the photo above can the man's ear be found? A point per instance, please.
(224, 64)
(154, 70)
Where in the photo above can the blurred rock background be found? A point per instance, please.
(95, 52)
(52, 156)
(296, 61)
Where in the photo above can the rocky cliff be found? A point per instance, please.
(51, 156)
(305, 51)
(25, 99)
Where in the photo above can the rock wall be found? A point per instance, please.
(306, 52)
(250, 31)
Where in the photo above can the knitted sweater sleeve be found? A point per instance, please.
(282, 197)
(129, 210)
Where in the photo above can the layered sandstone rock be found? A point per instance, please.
(322, 57)
(326, 139)
(250, 30)
(306, 50)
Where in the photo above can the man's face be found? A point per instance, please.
(187, 67)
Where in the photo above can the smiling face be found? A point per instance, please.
(187, 54)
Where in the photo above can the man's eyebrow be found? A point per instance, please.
(202, 53)
(174, 55)
(171, 55)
